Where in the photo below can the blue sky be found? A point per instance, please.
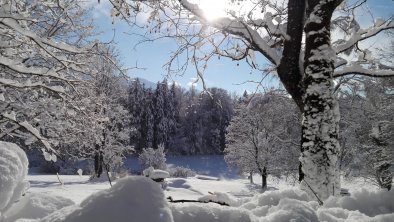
(222, 73)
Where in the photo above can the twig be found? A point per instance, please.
(109, 178)
(60, 181)
(318, 199)
(196, 201)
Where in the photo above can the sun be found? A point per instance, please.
(213, 9)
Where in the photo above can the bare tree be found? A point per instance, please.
(265, 142)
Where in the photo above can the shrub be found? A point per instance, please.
(181, 172)
(153, 158)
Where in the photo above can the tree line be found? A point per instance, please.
(185, 122)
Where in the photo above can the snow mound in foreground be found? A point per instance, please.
(283, 205)
(13, 169)
(291, 210)
(189, 212)
(360, 206)
(35, 205)
(130, 199)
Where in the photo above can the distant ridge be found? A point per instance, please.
(147, 84)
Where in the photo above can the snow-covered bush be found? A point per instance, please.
(155, 158)
(13, 169)
(130, 199)
(183, 172)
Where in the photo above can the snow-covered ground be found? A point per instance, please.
(73, 198)
(77, 188)
(282, 202)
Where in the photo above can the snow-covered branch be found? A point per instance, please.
(29, 128)
(278, 30)
(356, 68)
(20, 68)
(13, 24)
(27, 84)
(363, 34)
(237, 28)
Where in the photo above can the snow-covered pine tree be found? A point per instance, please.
(136, 99)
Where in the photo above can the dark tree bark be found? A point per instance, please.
(98, 161)
(264, 178)
(289, 71)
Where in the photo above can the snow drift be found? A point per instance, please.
(35, 206)
(13, 169)
(363, 205)
(131, 198)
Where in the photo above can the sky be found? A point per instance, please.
(151, 56)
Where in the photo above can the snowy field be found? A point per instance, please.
(77, 188)
(73, 198)
(282, 202)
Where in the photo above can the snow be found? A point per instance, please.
(36, 206)
(219, 197)
(370, 203)
(209, 213)
(142, 199)
(13, 169)
(157, 174)
(10, 116)
(137, 197)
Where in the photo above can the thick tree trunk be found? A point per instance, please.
(321, 115)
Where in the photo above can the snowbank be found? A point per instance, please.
(13, 169)
(363, 205)
(131, 198)
(272, 198)
(282, 205)
(35, 206)
(185, 212)
(291, 210)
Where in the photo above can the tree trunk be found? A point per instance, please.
(251, 177)
(384, 176)
(264, 178)
(98, 162)
(300, 173)
(321, 115)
